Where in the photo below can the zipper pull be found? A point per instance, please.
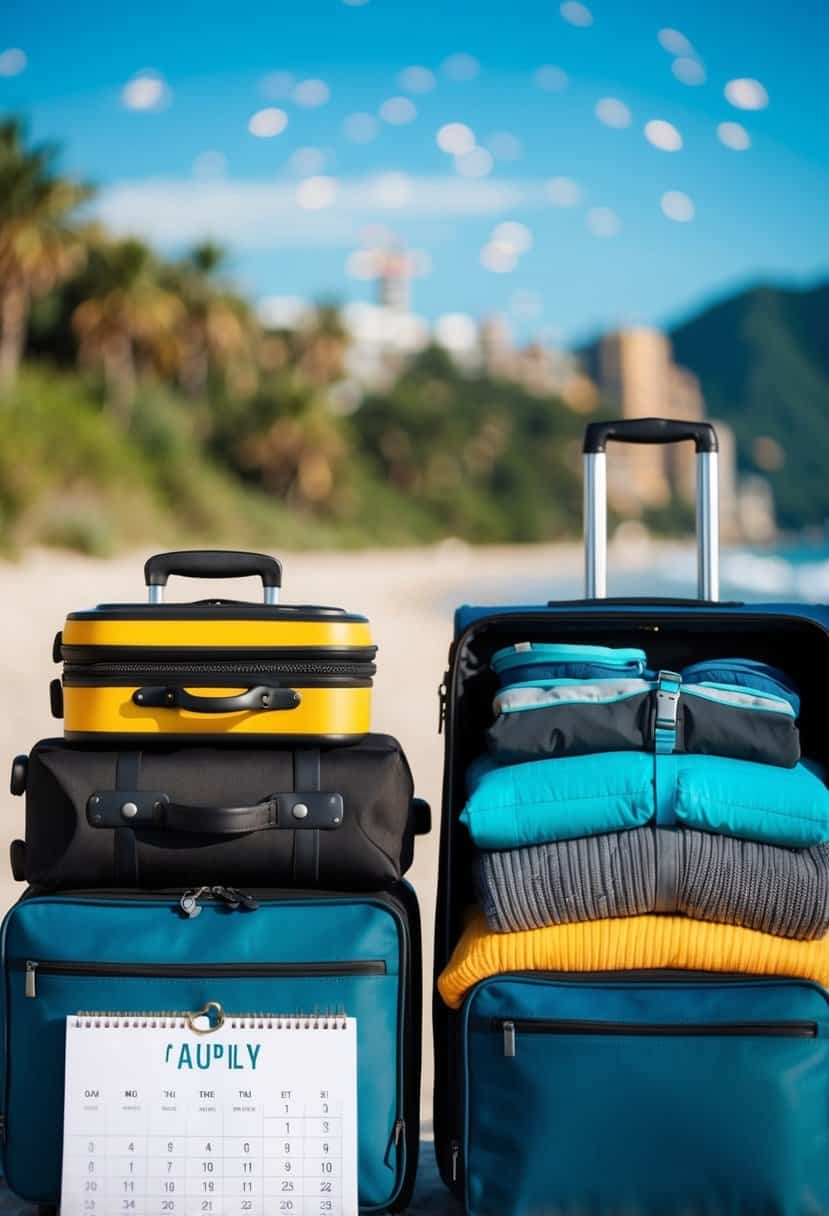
(509, 1039)
(456, 1152)
(241, 897)
(226, 895)
(442, 697)
(31, 979)
(189, 902)
(393, 1143)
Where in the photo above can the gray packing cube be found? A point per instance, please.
(699, 874)
(552, 718)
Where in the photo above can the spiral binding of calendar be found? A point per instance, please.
(92, 1019)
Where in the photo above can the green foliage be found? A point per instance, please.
(69, 476)
(476, 458)
(763, 361)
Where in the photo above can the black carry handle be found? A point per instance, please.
(317, 810)
(220, 820)
(215, 563)
(259, 699)
(649, 430)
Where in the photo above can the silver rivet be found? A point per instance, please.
(300, 811)
(336, 819)
(139, 696)
(129, 810)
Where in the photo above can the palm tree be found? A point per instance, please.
(217, 332)
(127, 319)
(322, 344)
(38, 244)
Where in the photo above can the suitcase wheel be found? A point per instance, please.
(57, 651)
(422, 815)
(56, 698)
(17, 856)
(20, 773)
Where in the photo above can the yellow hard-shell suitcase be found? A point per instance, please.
(214, 670)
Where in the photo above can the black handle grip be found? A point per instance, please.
(260, 699)
(220, 820)
(649, 430)
(212, 563)
(312, 810)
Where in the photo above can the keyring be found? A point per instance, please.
(215, 1018)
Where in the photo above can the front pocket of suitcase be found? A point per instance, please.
(688, 1097)
(367, 981)
(332, 714)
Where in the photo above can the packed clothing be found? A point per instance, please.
(624, 817)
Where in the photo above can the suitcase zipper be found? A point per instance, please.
(360, 967)
(230, 896)
(777, 1030)
(147, 672)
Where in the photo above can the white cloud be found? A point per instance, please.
(261, 214)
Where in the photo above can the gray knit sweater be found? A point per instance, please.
(710, 877)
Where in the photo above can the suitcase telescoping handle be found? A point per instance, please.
(659, 431)
(212, 563)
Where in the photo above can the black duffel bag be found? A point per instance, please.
(338, 817)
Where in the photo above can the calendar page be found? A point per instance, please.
(258, 1117)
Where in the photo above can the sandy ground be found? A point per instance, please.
(408, 595)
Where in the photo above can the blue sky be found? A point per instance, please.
(760, 213)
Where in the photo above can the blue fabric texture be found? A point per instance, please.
(97, 929)
(543, 661)
(572, 796)
(744, 673)
(647, 1123)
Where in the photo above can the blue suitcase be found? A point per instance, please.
(293, 953)
(654, 1093)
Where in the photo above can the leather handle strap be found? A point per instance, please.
(129, 810)
(306, 859)
(261, 698)
(221, 820)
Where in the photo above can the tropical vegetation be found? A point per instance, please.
(141, 399)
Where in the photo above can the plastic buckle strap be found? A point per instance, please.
(668, 685)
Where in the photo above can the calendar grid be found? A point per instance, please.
(278, 1139)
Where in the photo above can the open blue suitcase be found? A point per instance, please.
(651, 1093)
(295, 953)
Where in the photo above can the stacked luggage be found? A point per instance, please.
(217, 824)
(632, 946)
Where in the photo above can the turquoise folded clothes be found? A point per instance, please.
(700, 874)
(666, 713)
(521, 804)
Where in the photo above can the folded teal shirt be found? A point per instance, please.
(562, 798)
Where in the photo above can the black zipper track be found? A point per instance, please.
(196, 970)
(128, 674)
(217, 655)
(550, 1026)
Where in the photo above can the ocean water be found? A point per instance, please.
(790, 573)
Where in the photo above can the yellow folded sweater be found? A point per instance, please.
(628, 944)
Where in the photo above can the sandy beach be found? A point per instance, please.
(409, 596)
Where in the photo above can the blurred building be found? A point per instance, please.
(537, 367)
(636, 376)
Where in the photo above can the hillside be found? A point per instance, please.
(763, 361)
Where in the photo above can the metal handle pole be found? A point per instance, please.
(708, 527)
(595, 525)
